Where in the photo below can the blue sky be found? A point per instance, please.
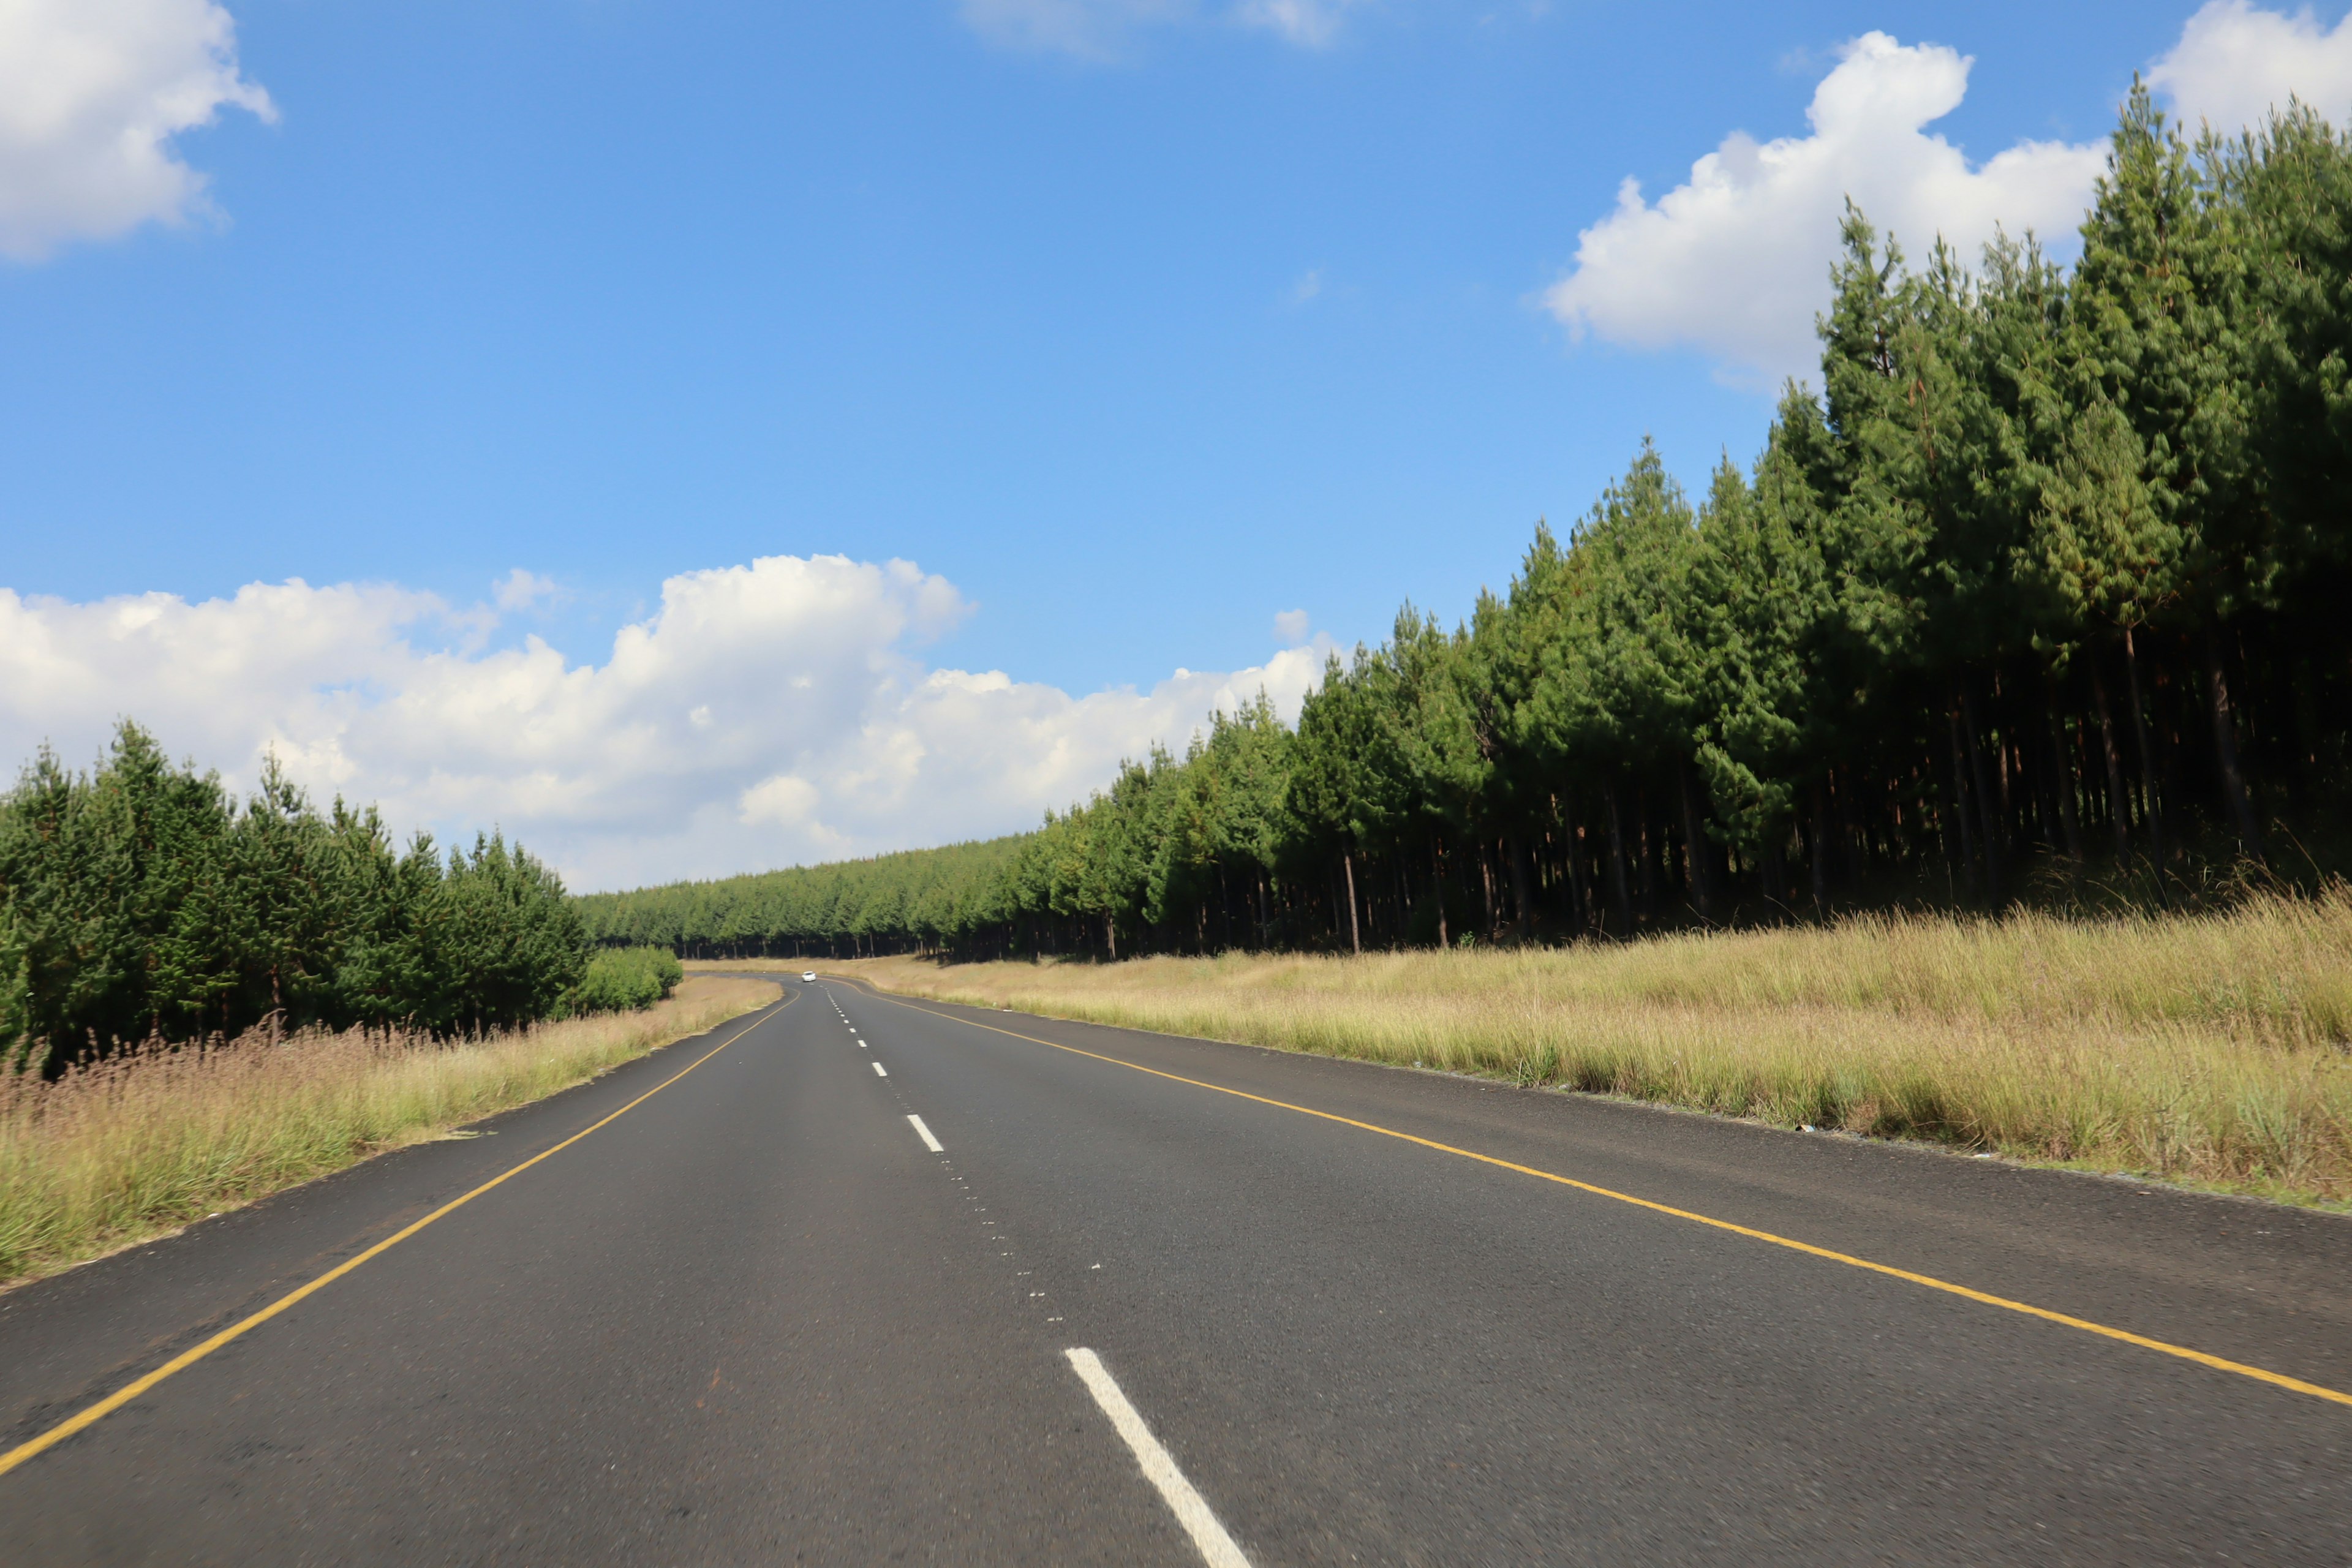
(1137, 322)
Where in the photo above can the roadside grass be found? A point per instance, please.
(127, 1148)
(2212, 1049)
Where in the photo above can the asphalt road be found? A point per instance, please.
(756, 1320)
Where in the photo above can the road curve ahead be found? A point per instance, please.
(879, 1282)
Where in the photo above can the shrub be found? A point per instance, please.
(623, 979)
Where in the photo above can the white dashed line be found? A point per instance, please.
(1217, 1548)
(933, 1144)
(877, 1069)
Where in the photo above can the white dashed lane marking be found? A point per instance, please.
(1191, 1510)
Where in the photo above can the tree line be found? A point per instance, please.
(2042, 591)
(141, 901)
(846, 910)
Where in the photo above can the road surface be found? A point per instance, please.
(1324, 1313)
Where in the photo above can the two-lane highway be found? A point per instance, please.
(878, 1280)
(751, 1321)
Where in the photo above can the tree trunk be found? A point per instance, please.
(1694, 846)
(1649, 887)
(1988, 822)
(1355, 931)
(1960, 805)
(2225, 748)
(2154, 807)
(1111, 935)
(1576, 888)
(2000, 760)
(1525, 911)
(1437, 886)
(2114, 753)
(1486, 881)
(1619, 892)
(1819, 846)
(1854, 838)
(2062, 776)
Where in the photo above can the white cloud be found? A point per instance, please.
(1735, 262)
(1106, 29)
(765, 714)
(1090, 29)
(1313, 23)
(92, 94)
(520, 590)
(1290, 628)
(2235, 63)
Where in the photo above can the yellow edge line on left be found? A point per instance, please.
(188, 1358)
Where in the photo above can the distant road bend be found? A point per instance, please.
(857, 1280)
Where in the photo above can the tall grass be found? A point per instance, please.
(115, 1153)
(2214, 1048)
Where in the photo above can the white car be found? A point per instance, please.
(808, 977)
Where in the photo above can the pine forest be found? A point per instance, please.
(2041, 596)
(142, 902)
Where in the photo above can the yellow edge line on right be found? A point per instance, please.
(2219, 1364)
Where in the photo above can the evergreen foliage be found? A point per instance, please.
(625, 979)
(847, 908)
(142, 901)
(2042, 590)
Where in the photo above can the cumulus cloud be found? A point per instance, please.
(764, 714)
(2235, 63)
(91, 94)
(1106, 29)
(1735, 261)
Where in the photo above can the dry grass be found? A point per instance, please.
(130, 1148)
(2210, 1048)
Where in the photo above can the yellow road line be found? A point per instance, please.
(2218, 1363)
(188, 1358)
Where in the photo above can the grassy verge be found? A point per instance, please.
(2209, 1050)
(130, 1148)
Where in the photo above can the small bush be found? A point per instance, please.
(626, 979)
